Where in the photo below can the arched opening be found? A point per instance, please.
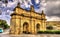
(25, 27)
(38, 27)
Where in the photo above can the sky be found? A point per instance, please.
(51, 8)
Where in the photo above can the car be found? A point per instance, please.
(1, 30)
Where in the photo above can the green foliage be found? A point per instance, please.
(6, 26)
(3, 24)
(49, 32)
(40, 32)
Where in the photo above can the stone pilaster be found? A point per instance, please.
(32, 27)
(17, 26)
(12, 26)
(21, 29)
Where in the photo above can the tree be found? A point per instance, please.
(3, 24)
(49, 27)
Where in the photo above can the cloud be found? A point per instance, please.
(53, 18)
(42, 6)
(51, 0)
(12, 4)
(50, 7)
(37, 1)
(52, 10)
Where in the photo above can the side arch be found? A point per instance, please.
(38, 27)
(25, 27)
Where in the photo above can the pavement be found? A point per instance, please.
(30, 35)
(6, 34)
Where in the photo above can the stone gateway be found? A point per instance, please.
(24, 21)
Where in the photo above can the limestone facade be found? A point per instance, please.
(27, 21)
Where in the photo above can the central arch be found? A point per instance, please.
(38, 27)
(25, 27)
